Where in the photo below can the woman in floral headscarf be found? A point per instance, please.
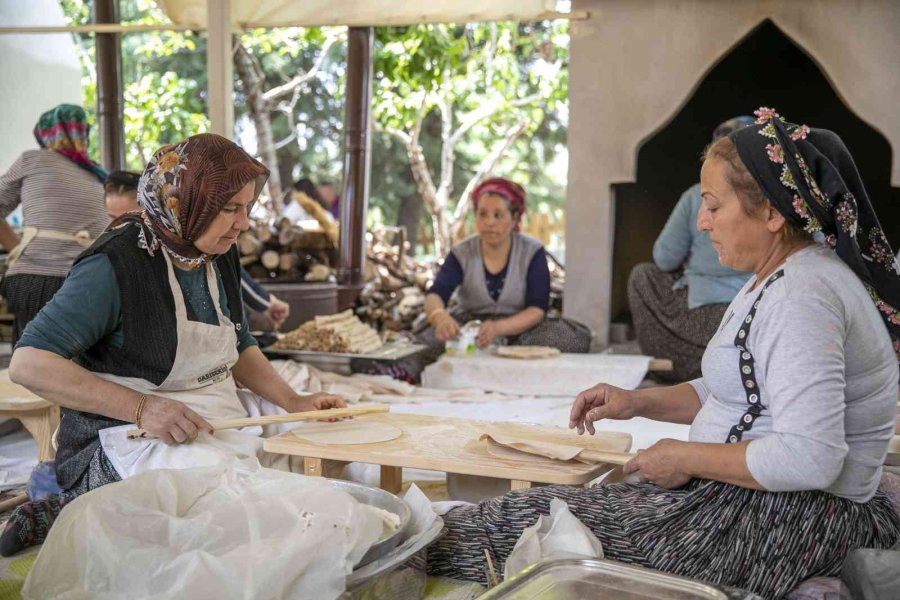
(500, 277)
(164, 332)
(61, 194)
(792, 417)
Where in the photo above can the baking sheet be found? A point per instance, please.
(389, 351)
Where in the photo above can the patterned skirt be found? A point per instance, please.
(764, 542)
(665, 326)
(26, 295)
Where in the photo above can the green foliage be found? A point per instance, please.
(472, 66)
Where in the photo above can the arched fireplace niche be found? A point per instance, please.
(766, 68)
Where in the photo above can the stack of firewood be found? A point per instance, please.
(343, 332)
(285, 251)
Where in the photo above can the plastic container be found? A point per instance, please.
(464, 344)
(575, 579)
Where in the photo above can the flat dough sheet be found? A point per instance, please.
(527, 352)
(348, 432)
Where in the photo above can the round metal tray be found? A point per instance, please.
(385, 501)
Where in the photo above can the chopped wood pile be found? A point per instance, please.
(343, 332)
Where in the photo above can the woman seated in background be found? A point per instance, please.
(164, 334)
(791, 420)
(501, 278)
(675, 314)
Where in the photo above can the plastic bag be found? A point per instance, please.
(42, 482)
(229, 531)
(559, 535)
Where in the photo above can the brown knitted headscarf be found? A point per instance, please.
(183, 188)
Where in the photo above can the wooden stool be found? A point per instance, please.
(39, 416)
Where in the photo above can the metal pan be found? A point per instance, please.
(385, 501)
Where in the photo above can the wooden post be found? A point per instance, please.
(391, 479)
(219, 68)
(312, 466)
(516, 484)
(357, 160)
(109, 88)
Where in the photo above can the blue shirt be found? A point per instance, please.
(537, 281)
(681, 243)
(67, 327)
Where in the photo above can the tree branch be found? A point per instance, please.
(486, 111)
(447, 152)
(486, 166)
(299, 80)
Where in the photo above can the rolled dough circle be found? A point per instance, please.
(344, 433)
(498, 451)
(527, 352)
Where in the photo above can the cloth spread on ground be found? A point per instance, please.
(564, 375)
(66, 329)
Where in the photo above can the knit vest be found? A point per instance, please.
(473, 293)
(150, 332)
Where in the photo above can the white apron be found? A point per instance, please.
(201, 379)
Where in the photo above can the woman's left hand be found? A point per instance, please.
(661, 464)
(487, 332)
(317, 401)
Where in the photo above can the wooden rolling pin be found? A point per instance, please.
(312, 415)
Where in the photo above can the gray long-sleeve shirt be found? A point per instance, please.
(827, 377)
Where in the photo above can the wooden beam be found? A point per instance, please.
(110, 115)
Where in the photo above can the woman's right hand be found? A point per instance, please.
(447, 328)
(603, 401)
(172, 421)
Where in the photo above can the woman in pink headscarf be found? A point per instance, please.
(500, 277)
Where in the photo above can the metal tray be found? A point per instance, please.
(343, 363)
(385, 501)
(577, 579)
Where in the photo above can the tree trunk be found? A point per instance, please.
(409, 216)
(256, 104)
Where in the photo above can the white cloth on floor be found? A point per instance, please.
(563, 375)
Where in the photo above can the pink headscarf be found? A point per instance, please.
(513, 192)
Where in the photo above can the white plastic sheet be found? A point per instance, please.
(235, 531)
(559, 535)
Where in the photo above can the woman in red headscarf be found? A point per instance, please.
(500, 277)
(165, 331)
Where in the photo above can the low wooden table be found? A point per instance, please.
(453, 446)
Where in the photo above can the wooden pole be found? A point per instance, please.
(357, 161)
(110, 116)
(219, 68)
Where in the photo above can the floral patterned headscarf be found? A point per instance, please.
(65, 129)
(183, 188)
(809, 177)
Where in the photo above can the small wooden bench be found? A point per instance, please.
(39, 416)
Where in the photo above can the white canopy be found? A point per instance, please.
(314, 13)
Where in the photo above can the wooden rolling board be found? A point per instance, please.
(14, 397)
(453, 446)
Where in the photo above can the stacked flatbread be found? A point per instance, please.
(343, 332)
(527, 352)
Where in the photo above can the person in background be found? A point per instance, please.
(329, 198)
(60, 190)
(121, 197)
(674, 313)
(502, 280)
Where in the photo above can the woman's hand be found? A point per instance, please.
(317, 401)
(487, 332)
(661, 464)
(278, 311)
(172, 421)
(447, 328)
(602, 401)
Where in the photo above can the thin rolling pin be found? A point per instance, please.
(614, 458)
(312, 415)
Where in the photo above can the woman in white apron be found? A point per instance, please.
(149, 330)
